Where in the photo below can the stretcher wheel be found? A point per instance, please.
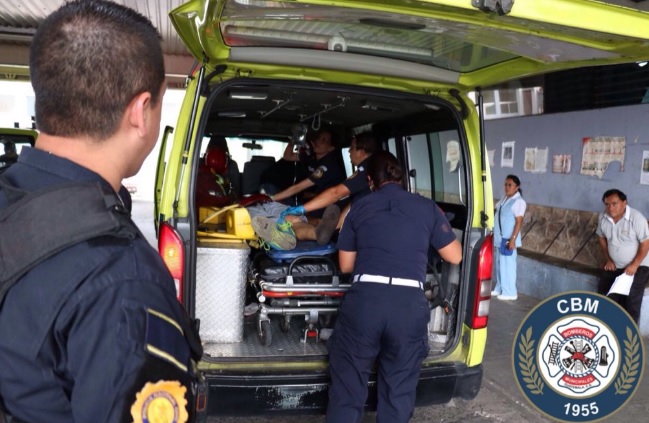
(325, 320)
(265, 336)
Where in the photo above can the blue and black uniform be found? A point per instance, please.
(385, 314)
(324, 173)
(357, 183)
(86, 330)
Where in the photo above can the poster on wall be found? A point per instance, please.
(644, 173)
(507, 158)
(491, 154)
(536, 160)
(452, 155)
(561, 163)
(599, 152)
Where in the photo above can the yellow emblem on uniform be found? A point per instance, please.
(160, 402)
(319, 172)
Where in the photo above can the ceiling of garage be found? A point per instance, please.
(19, 20)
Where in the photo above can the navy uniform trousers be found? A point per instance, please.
(373, 318)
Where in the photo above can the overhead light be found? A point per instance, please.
(376, 106)
(232, 114)
(247, 95)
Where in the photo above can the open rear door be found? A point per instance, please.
(461, 44)
(159, 177)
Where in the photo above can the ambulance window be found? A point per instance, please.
(420, 161)
(439, 164)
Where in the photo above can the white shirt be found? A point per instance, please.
(624, 237)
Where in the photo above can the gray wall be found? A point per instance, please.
(562, 134)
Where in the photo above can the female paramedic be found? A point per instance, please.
(384, 242)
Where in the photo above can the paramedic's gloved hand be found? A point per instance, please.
(293, 211)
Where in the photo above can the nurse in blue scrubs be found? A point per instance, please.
(510, 212)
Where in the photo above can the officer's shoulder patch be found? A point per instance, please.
(163, 402)
(319, 172)
(165, 339)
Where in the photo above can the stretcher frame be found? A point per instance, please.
(288, 299)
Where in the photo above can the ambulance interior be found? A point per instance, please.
(247, 306)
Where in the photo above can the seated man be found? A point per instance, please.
(326, 169)
(290, 168)
(213, 187)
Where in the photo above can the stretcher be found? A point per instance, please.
(304, 281)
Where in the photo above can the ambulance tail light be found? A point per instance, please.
(483, 286)
(170, 247)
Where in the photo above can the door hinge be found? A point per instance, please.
(501, 7)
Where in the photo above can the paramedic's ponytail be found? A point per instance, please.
(383, 168)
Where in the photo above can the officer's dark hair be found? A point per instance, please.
(333, 135)
(614, 191)
(383, 168)
(517, 181)
(367, 142)
(87, 61)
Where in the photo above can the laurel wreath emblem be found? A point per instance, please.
(527, 364)
(629, 371)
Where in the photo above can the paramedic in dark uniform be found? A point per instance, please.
(94, 333)
(325, 169)
(351, 189)
(384, 243)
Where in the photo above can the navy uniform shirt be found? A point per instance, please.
(76, 328)
(325, 173)
(391, 231)
(357, 183)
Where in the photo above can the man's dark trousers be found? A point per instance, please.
(633, 302)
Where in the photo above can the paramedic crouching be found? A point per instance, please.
(92, 332)
(384, 242)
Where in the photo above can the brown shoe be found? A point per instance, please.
(327, 225)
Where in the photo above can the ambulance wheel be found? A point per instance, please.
(265, 336)
(286, 326)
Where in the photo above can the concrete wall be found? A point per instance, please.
(538, 275)
(562, 134)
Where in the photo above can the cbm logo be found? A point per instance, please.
(578, 357)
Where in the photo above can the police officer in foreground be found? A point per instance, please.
(384, 242)
(92, 333)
